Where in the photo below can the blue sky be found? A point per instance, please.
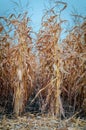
(36, 8)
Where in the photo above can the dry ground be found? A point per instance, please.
(30, 121)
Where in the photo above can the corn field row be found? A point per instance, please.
(55, 73)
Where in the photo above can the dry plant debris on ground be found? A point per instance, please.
(41, 122)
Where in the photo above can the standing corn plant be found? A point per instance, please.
(50, 75)
(73, 60)
(16, 66)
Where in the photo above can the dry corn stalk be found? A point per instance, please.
(47, 44)
(15, 65)
(73, 66)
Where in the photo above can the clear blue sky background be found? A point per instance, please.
(36, 8)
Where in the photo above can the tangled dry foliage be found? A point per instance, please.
(57, 77)
(16, 66)
(73, 60)
(50, 79)
(62, 74)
